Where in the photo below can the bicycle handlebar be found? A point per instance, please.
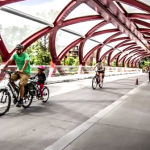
(9, 72)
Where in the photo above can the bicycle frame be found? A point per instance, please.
(12, 89)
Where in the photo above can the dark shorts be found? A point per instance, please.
(100, 71)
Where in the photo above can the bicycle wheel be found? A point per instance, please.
(94, 83)
(46, 94)
(27, 100)
(5, 101)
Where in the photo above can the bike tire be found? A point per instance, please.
(48, 93)
(30, 100)
(94, 81)
(5, 108)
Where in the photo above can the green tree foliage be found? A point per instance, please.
(113, 64)
(70, 61)
(76, 62)
(39, 54)
(143, 63)
(94, 63)
(120, 65)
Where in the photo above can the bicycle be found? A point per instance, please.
(96, 81)
(36, 90)
(5, 95)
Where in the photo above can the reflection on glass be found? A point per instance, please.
(114, 53)
(133, 57)
(15, 29)
(44, 9)
(101, 38)
(122, 48)
(145, 20)
(122, 35)
(104, 50)
(106, 27)
(63, 39)
(131, 9)
(145, 2)
(129, 56)
(81, 10)
(113, 44)
(141, 26)
(83, 27)
(123, 54)
(88, 46)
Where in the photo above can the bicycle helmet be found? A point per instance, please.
(42, 68)
(19, 47)
(100, 60)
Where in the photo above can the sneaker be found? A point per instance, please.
(42, 98)
(20, 103)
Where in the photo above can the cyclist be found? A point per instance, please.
(100, 70)
(41, 79)
(23, 66)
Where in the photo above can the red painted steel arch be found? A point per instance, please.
(61, 22)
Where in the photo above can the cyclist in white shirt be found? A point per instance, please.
(100, 70)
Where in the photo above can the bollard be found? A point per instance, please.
(137, 82)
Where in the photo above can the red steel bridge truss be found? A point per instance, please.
(135, 41)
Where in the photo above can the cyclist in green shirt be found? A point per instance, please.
(23, 65)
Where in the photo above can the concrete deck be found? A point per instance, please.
(73, 109)
(123, 125)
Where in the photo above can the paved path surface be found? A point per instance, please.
(125, 126)
(71, 104)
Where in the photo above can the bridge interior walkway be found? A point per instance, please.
(123, 125)
(45, 126)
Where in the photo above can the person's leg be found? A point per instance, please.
(98, 74)
(14, 77)
(23, 81)
(101, 79)
(41, 89)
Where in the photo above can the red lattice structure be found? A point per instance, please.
(110, 11)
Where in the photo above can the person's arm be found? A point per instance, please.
(102, 69)
(8, 63)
